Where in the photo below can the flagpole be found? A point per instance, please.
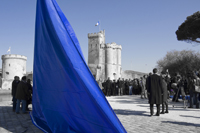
(99, 26)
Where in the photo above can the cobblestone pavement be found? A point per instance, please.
(10, 122)
(134, 114)
(132, 111)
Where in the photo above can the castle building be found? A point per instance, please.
(12, 65)
(104, 60)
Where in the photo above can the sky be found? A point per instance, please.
(145, 29)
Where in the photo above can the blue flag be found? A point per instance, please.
(66, 97)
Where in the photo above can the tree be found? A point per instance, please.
(189, 30)
(183, 62)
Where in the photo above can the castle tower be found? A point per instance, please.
(96, 54)
(109, 70)
(119, 68)
(12, 65)
(113, 61)
(104, 60)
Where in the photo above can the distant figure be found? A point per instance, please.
(147, 80)
(143, 88)
(123, 86)
(114, 88)
(194, 96)
(120, 90)
(175, 81)
(109, 86)
(104, 87)
(22, 95)
(126, 87)
(130, 86)
(155, 91)
(165, 94)
(30, 89)
(14, 90)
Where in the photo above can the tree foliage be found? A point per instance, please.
(189, 30)
(182, 62)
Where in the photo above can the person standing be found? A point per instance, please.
(30, 89)
(123, 86)
(126, 87)
(114, 88)
(14, 90)
(175, 81)
(143, 88)
(22, 95)
(193, 80)
(119, 84)
(130, 86)
(165, 94)
(109, 86)
(104, 87)
(155, 91)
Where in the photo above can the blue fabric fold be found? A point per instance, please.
(66, 97)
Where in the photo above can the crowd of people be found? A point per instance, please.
(157, 88)
(124, 87)
(154, 87)
(21, 93)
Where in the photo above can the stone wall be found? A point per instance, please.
(12, 65)
(104, 60)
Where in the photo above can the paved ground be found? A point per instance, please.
(132, 111)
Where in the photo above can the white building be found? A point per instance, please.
(12, 65)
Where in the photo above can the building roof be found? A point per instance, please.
(135, 72)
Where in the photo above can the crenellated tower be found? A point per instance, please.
(104, 60)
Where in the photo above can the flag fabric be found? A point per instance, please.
(66, 97)
(98, 23)
(9, 49)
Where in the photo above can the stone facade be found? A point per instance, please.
(104, 60)
(12, 65)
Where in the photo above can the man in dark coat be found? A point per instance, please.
(147, 82)
(22, 95)
(14, 90)
(126, 87)
(109, 86)
(30, 89)
(104, 88)
(155, 91)
(165, 93)
(114, 88)
(119, 84)
(123, 86)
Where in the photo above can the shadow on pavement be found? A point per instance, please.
(16, 123)
(146, 106)
(189, 116)
(130, 112)
(12, 122)
(182, 109)
(182, 123)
